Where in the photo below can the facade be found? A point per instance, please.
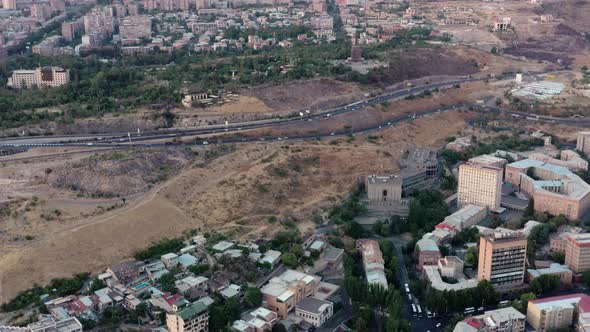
(557, 312)
(193, 318)
(567, 158)
(562, 271)
(282, 293)
(466, 217)
(384, 189)
(9, 4)
(559, 241)
(40, 77)
(373, 262)
(451, 267)
(583, 142)
(419, 169)
(555, 189)
(427, 252)
(314, 311)
(499, 320)
(480, 184)
(577, 252)
(502, 259)
(135, 27)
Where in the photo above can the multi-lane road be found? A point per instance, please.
(143, 139)
(167, 137)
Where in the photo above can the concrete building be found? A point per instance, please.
(314, 311)
(170, 260)
(383, 190)
(562, 271)
(567, 158)
(419, 169)
(40, 77)
(499, 320)
(193, 318)
(466, 217)
(9, 4)
(502, 24)
(70, 30)
(502, 259)
(433, 275)
(258, 320)
(480, 183)
(373, 262)
(427, 253)
(557, 312)
(50, 325)
(323, 22)
(577, 252)
(555, 189)
(583, 142)
(281, 294)
(558, 241)
(135, 27)
(451, 267)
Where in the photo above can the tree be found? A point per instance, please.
(253, 297)
(586, 278)
(544, 284)
(279, 327)
(290, 260)
(471, 258)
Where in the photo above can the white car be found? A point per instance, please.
(438, 324)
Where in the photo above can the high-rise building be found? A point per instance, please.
(40, 11)
(502, 258)
(193, 318)
(9, 4)
(577, 252)
(480, 183)
(583, 143)
(136, 27)
(558, 312)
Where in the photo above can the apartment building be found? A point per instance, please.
(40, 77)
(500, 320)
(555, 189)
(583, 142)
(558, 242)
(282, 293)
(502, 258)
(577, 252)
(9, 4)
(373, 262)
(480, 183)
(134, 27)
(193, 318)
(557, 312)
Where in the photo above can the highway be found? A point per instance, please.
(109, 140)
(146, 139)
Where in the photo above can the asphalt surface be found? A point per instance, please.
(126, 139)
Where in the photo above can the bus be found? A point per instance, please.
(469, 310)
(419, 309)
(414, 308)
(503, 304)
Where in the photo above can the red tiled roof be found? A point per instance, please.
(473, 322)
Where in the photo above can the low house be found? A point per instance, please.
(314, 311)
(187, 260)
(127, 272)
(271, 257)
(155, 270)
(170, 260)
